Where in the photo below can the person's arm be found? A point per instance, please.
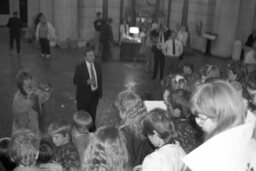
(164, 48)
(100, 78)
(180, 48)
(37, 31)
(9, 23)
(78, 79)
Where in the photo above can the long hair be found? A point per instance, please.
(132, 106)
(106, 152)
(219, 101)
(174, 82)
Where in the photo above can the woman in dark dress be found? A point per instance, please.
(132, 110)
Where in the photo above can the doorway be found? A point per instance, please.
(24, 12)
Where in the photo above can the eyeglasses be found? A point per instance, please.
(200, 119)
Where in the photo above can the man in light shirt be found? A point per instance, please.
(88, 80)
(172, 49)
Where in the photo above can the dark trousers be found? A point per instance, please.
(90, 107)
(15, 35)
(159, 63)
(106, 51)
(171, 65)
(45, 46)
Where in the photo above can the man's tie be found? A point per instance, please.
(93, 76)
(173, 47)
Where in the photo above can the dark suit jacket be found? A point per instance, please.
(250, 40)
(83, 91)
(14, 24)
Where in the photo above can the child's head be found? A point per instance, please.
(236, 71)
(158, 128)
(60, 132)
(131, 109)
(5, 146)
(107, 151)
(187, 68)
(174, 82)
(209, 71)
(82, 121)
(179, 103)
(24, 147)
(46, 152)
(251, 87)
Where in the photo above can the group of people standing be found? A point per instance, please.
(167, 47)
(103, 37)
(44, 33)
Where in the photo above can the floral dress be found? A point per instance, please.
(28, 111)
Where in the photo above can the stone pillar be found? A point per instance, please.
(114, 13)
(225, 25)
(65, 19)
(33, 10)
(47, 8)
(246, 20)
(86, 16)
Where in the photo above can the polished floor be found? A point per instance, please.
(59, 72)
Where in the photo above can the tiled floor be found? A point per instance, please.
(59, 72)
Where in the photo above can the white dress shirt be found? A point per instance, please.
(183, 37)
(250, 57)
(167, 158)
(231, 150)
(168, 48)
(90, 74)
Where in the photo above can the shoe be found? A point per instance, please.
(48, 56)
(42, 55)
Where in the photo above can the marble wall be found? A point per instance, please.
(114, 13)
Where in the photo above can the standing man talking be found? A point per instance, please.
(88, 80)
(14, 24)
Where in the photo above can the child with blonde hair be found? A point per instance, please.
(106, 152)
(81, 137)
(66, 153)
(25, 150)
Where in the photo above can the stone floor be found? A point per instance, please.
(59, 71)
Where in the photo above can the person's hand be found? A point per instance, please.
(91, 82)
(51, 167)
(137, 168)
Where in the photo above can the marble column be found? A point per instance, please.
(47, 8)
(225, 25)
(86, 16)
(65, 19)
(246, 21)
(114, 13)
(33, 10)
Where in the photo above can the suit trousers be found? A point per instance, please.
(15, 35)
(90, 107)
(171, 65)
(45, 46)
(159, 63)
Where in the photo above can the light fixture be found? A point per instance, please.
(134, 30)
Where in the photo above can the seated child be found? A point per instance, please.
(174, 82)
(209, 72)
(45, 158)
(66, 153)
(189, 135)
(81, 136)
(189, 75)
(107, 151)
(24, 150)
(161, 133)
(5, 158)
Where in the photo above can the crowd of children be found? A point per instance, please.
(206, 114)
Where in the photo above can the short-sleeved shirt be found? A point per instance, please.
(67, 156)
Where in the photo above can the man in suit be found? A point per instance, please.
(88, 80)
(14, 24)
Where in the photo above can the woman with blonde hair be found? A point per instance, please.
(228, 146)
(132, 110)
(106, 152)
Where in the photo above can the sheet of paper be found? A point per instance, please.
(150, 105)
